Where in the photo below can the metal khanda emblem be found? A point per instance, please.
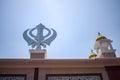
(39, 40)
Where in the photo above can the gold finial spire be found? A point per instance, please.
(91, 51)
(98, 33)
(100, 37)
(92, 55)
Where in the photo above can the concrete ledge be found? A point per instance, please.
(37, 54)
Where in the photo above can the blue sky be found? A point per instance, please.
(77, 23)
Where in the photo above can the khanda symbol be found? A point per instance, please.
(39, 40)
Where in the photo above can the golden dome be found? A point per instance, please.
(92, 55)
(100, 37)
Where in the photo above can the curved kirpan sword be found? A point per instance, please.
(27, 38)
(48, 41)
